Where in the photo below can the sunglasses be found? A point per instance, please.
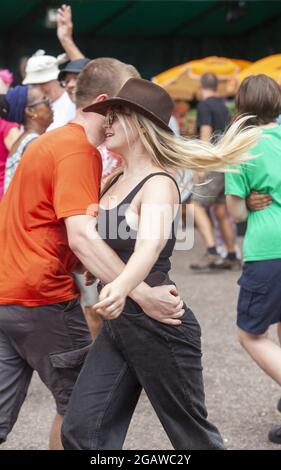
(111, 116)
(45, 101)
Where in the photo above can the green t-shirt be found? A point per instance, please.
(263, 235)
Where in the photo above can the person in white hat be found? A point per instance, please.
(42, 71)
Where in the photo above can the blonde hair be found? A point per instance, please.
(170, 152)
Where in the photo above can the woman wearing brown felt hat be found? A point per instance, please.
(137, 218)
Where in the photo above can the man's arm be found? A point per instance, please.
(237, 208)
(159, 302)
(90, 249)
(65, 31)
(206, 132)
(204, 121)
(11, 137)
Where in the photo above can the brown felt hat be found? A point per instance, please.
(143, 97)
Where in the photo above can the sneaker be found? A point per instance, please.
(279, 405)
(208, 262)
(274, 435)
(232, 264)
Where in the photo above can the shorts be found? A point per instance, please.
(50, 339)
(259, 302)
(207, 194)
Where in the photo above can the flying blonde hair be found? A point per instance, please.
(170, 152)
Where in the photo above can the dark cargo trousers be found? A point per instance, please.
(132, 353)
(50, 339)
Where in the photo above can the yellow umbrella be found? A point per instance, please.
(182, 81)
(270, 66)
(241, 63)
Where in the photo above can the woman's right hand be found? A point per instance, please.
(112, 299)
(163, 304)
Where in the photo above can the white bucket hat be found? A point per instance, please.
(43, 68)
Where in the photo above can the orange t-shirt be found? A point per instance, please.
(58, 176)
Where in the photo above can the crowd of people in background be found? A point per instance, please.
(53, 161)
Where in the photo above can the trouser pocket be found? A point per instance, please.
(66, 367)
(252, 297)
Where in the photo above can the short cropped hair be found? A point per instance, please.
(260, 96)
(102, 75)
(209, 81)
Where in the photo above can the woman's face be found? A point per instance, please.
(69, 83)
(118, 139)
(45, 113)
(42, 111)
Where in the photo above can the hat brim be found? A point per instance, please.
(62, 74)
(73, 66)
(101, 107)
(38, 77)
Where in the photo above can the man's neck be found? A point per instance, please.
(34, 126)
(56, 93)
(209, 94)
(93, 126)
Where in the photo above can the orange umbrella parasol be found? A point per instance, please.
(182, 81)
(270, 66)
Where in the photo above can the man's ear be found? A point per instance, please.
(102, 97)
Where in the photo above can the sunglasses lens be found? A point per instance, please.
(110, 118)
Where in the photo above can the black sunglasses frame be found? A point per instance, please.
(45, 101)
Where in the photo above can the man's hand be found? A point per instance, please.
(64, 23)
(256, 201)
(65, 33)
(89, 278)
(163, 304)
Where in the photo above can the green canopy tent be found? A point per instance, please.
(153, 35)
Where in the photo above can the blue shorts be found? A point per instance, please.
(259, 302)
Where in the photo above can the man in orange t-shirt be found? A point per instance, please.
(42, 326)
(60, 177)
(45, 214)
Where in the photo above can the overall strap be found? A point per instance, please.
(111, 184)
(134, 191)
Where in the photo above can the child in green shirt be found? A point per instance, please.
(259, 303)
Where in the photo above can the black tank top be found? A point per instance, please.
(114, 230)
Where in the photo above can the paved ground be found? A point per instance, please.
(241, 399)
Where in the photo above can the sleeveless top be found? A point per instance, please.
(13, 160)
(114, 230)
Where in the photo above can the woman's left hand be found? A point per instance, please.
(111, 301)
